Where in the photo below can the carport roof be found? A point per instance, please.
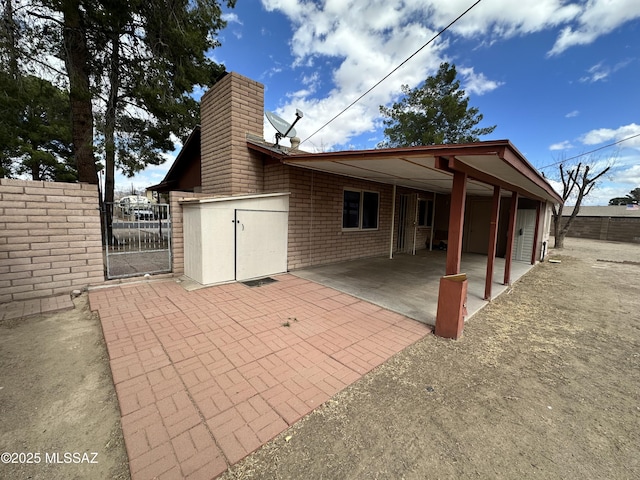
(430, 167)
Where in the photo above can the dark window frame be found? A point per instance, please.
(425, 215)
(367, 205)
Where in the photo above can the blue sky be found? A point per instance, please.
(558, 78)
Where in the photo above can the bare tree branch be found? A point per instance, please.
(575, 182)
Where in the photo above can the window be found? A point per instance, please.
(425, 213)
(360, 210)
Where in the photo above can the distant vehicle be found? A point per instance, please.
(143, 213)
(131, 203)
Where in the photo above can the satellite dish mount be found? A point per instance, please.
(283, 128)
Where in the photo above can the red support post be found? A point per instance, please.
(535, 233)
(493, 241)
(510, 237)
(452, 295)
(456, 223)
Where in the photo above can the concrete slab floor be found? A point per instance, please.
(408, 284)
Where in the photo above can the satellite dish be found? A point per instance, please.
(283, 128)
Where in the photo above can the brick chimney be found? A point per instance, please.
(233, 107)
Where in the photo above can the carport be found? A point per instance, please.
(495, 170)
(409, 284)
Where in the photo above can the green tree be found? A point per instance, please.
(34, 114)
(632, 197)
(619, 201)
(436, 112)
(154, 55)
(129, 67)
(9, 111)
(40, 144)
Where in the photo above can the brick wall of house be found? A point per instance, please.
(177, 229)
(315, 217)
(232, 108)
(315, 220)
(614, 229)
(50, 239)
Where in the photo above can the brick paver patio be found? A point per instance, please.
(36, 306)
(206, 377)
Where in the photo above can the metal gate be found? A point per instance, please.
(137, 239)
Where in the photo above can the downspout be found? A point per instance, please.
(393, 218)
(433, 221)
(415, 224)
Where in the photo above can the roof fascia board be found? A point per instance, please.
(265, 150)
(456, 165)
(186, 147)
(480, 148)
(516, 160)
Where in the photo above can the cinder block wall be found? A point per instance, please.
(50, 239)
(614, 229)
(232, 108)
(315, 220)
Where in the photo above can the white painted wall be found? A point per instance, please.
(211, 252)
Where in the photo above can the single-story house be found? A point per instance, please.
(258, 209)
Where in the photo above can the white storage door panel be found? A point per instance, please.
(261, 243)
(524, 239)
(217, 261)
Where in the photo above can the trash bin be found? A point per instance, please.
(452, 306)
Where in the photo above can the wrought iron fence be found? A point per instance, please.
(137, 239)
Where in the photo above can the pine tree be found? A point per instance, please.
(437, 112)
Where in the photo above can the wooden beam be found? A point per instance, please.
(536, 232)
(510, 237)
(493, 241)
(456, 165)
(456, 223)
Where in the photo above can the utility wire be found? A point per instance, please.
(590, 151)
(394, 70)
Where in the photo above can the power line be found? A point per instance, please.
(394, 70)
(590, 151)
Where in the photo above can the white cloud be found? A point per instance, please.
(630, 174)
(561, 146)
(498, 19)
(363, 43)
(231, 18)
(360, 42)
(600, 71)
(476, 83)
(596, 73)
(572, 114)
(596, 18)
(602, 135)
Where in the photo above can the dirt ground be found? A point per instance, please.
(545, 383)
(57, 402)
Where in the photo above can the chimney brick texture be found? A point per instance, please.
(232, 108)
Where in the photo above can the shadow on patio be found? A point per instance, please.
(408, 284)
